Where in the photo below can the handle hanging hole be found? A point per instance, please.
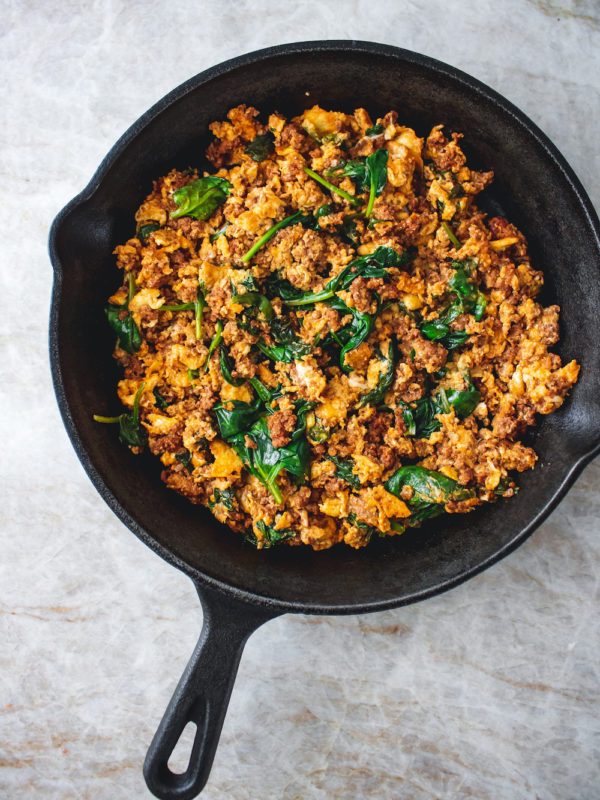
(179, 759)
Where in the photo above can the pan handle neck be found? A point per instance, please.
(202, 695)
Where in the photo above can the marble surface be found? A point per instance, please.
(489, 691)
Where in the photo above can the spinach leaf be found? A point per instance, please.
(456, 191)
(343, 470)
(376, 395)
(131, 431)
(261, 146)
(185, 458)
(421, 420)
(347, 230)
(353, 334)
(266, 461)
(376, 130)
(235, 416)
(245, 428)
(369, 175)
(288, 346)
(276, 286)
(227, 364)
(130, 338)
(377, 169)
(370, 530)
(249, 283)
(323, 211)
(145, 229)
(226, 497)
(161, 401)
(473, 301)
(438, 330)
(266, 395)
(431, 491)
(255, 299)
(463, 402)
(215, 342)
(468, 300)
(272, 536)
(200, 198)
(373, 265)
(123, 324)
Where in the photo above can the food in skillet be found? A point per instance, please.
(326, 340)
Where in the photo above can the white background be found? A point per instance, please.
(489, 691)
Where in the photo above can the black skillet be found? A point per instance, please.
(239, 587)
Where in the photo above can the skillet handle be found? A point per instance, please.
(202, 694)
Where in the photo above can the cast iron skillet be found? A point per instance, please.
(239, 587)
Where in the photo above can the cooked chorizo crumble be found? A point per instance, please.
(325, 340)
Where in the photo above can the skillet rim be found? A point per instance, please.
(265, 54)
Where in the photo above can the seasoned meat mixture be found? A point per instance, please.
(323, 339)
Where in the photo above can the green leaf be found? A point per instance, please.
(272, 536)
(249, 283)
(240, 422)
(456, 191)
(131, 431)
(438, 330)
(431, 491)
(377, 170)
(145, 229)
(257, 300)
(200, 198)
(225, 497)
(370, 530)
(215, 342)
(376, 130)
(343, 470)
(420, 419)
(353, 334)
(473, 301)
(369, 175)
(266, 461)
(386, 379)
(161, 401)
(463, 402)
(227, 364)
(348, 231)
(288, 346)
(266, 395)
(235, 416)
(373, 265)
(185, 458)
(260, 147)
(130, 338)
(323, 211)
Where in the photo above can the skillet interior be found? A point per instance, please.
(533, 187)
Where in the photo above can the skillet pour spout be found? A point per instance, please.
(241, 588)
